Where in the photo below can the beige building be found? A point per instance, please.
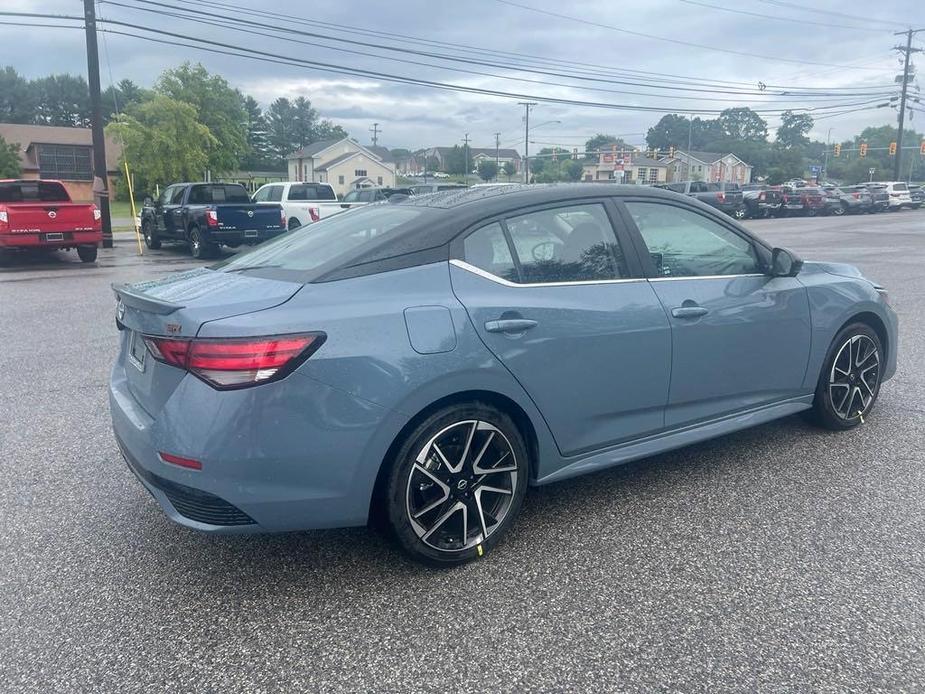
(63, 154)
(345, 164)
(708, 166)
(627, 167)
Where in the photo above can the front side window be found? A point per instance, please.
(261, 195)
(165, 196)
(684, 243)
(176, 197)
(275, 193)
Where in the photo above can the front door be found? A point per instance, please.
(740, 337)
(561, 303)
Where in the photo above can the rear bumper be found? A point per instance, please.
(68, 239)
(291, 455)
(241, 235)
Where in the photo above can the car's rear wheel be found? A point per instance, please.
(87, 254)
(199, 247)
(739, 213)
(294, 223)
(850, 380)
(840, 210)
(456, 484)
(150, 235)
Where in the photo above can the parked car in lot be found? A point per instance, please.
(898, 193)
(847, 200)
(726, 197)
(807, 200)
(879, 195)
(366, 196)
(761, 200)
(207, 216)
(423, 362)
(40, 215)
(917, 195)
(302, 203)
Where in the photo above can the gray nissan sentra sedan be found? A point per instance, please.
(423, 361)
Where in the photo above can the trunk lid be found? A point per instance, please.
(177, 306)
(248, 216)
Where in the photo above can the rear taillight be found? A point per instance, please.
(282, 219)
(721, 197)
(4, 217)
(236, 362)
(212, 218)
(97, 215)
(314, 213)
(856, 195)
(762, 197)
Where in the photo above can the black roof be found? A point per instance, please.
(447, 213)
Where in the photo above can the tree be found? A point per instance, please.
(672, 130)
(61, 100)
(794, 129)
(509, 169)
(218, 107)
(9, 160)
(602, 142)
(487, 169)
(455, 162)
(292, 125)
(281, 128)
(400, 153)
(121, 97)
(258, 156)
(742, 124)
(572, 170)
(16, 99)
(164, 142)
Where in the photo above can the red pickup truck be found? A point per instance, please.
(40, 215)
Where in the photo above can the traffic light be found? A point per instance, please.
(671, 151)
(574, 153)
(892, 149)
(837, 150)
(863, 150)
(555, 154)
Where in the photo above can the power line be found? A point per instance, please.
(830, 13)
(781, 19)
(668, 40)
(249, 25)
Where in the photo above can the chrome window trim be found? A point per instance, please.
(463, 265)
(706, 277)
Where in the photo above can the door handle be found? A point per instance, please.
(689, 312)
(509, 325)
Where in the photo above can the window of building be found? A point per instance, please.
(340, 180)
(359, 172)
(653, 175)
(379, 180)
(641, 175)
(67, 162)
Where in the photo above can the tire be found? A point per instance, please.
(841, 373)
(199, 248)
(739, 213)
(433, 511)
(150, 235)
(293, 223)
(840, 210)
(87, 254)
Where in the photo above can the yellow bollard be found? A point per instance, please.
(131, 198)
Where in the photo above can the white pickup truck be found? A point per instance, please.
(302, 203)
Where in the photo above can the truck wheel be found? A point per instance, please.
(739, 213)
(150, 234)
(87, 254)
(294, 223)
(199, 248)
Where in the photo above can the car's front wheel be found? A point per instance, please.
(850, 379)
(150, 235)
(456, 484)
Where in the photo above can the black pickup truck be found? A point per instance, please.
(726, 197)
(209, 215)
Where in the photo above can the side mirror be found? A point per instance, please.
(149, 201)
(785, 263)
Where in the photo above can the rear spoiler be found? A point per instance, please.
(144, 302)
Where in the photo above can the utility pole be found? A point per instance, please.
(498, 151)
(907, 50)
(101, 189)
(527, 106)
(466, 154)
(825, 160)
(375, 131)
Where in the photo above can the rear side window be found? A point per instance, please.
(306, 191)
(487, 250)
(561, 244)
(33, 191)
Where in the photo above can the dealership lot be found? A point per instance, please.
(778, 559)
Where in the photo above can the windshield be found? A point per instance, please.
(316, 244)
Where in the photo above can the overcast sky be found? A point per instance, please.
(414, 116)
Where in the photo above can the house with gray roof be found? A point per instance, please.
(345, 164)
(708, 166)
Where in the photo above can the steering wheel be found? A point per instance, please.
(544, 251)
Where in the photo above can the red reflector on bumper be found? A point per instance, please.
(182, 462)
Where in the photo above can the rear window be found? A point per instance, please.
(677, 187)
(33, 191)
(900, 187)
(319, 243)
(306, 191)
(218, 193)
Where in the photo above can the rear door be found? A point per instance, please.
(740, 337)
(559, 299)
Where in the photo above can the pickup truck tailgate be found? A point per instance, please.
(50, 217)
(248, 216)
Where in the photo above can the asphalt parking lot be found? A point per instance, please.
(779, 559)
